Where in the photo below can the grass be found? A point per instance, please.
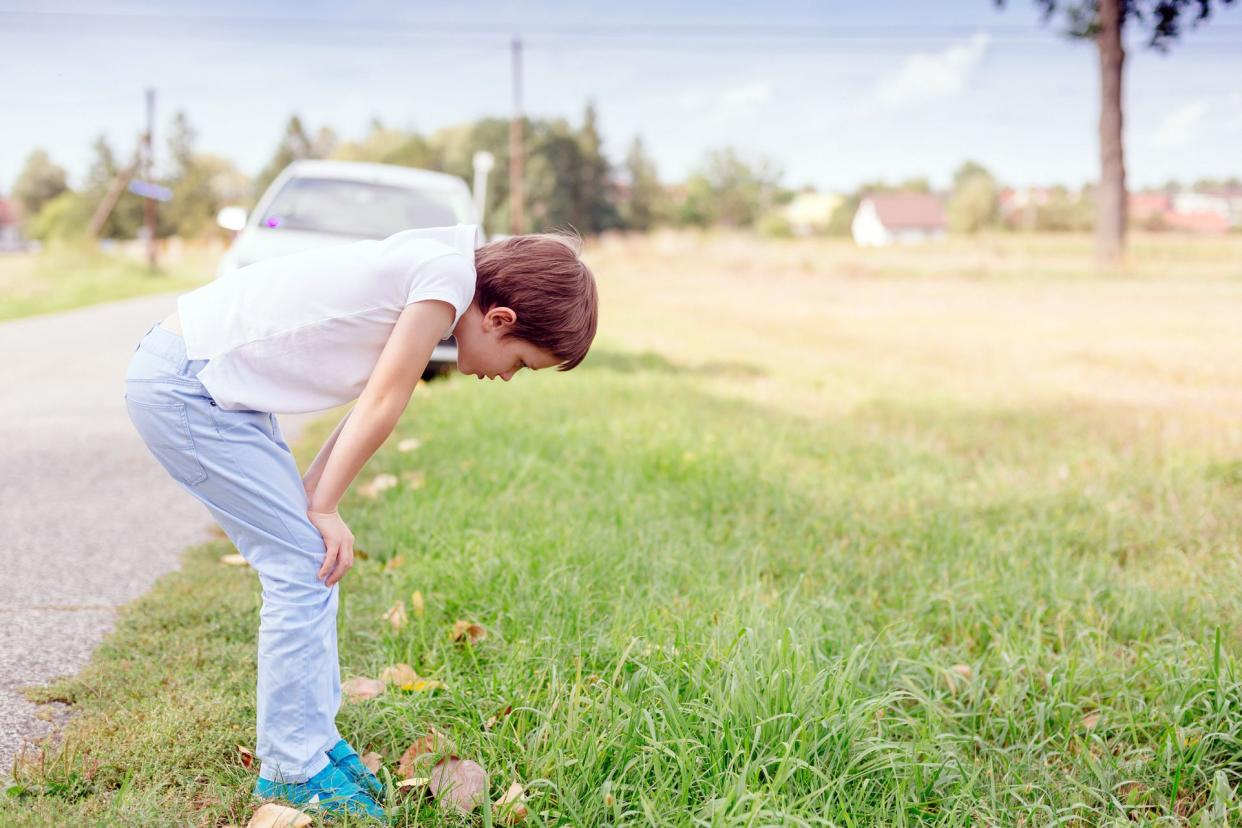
(67, 276)
(744, 569)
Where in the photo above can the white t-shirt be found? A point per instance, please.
(302, 332)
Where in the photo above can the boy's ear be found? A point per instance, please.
(499, 317)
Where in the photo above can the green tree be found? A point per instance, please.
(1104, 21)
(554, 182)
(201, 184)
(729, 190)
(973, 204)
(385, 145)
(40, 181)
(127, 213)
(294, 145)
(455, 147)
(643, 205)
(595, 209)
(64, 217)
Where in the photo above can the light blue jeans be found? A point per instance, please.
(238, 465)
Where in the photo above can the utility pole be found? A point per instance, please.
(148, 158)
(516, 151)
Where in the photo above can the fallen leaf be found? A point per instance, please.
(423, 751)
(409, 444)
(379, 483)
(396, 615)
(415, 786)
(372, 760)
(459, 782)
(393, 563)
(399, 674)
(500, 714)
(361, 688)
(417, 604)
(274, 815)
(511, 807)
(1090, 720)
(423, 685)
(360, 553)
(609, 799)
(234, 559)
(962, 670)
(467, 631)
(246, 756)
(414, 479)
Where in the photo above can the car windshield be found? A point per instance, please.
(355, 208)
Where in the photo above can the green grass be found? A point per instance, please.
(65, 277)
(705, 612)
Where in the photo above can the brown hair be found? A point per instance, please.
(550, 289)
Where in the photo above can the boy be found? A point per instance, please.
(306, 332)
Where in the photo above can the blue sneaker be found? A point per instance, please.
(346, 758)
(329, 791)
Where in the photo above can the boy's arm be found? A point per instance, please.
(315, 470)
(387, 392)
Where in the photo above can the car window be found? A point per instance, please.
(355, 208)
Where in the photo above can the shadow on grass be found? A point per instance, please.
(651, 362)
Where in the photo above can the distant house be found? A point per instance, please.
(1187, 212)
(811, 212)
(10, 230)
(885, 218)
(1147, 207)
(1195, 202)
(1202, 221)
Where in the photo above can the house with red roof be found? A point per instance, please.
(10, 230)
(888, 218)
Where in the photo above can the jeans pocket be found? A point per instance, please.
(165, 428)
(263, 421)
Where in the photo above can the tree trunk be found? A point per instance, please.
(1110, 210)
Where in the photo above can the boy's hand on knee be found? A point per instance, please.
(338, 542)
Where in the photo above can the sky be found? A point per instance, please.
(832, 93)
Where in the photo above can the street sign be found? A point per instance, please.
(148, 190)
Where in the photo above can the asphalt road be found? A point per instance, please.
(88, 518)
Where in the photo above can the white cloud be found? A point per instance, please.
(691, 99)
(746, 95)
(1235, 106)
(923, 76)
(741, 97)
(1180, 127)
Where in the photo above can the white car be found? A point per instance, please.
(320, 203)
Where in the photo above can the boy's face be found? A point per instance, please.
(485, 351)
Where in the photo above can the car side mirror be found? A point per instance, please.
(232, 218)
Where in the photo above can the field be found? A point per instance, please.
(816, 536)
(72, 276)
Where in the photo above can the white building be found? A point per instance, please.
(885, 218)
(1226, 203)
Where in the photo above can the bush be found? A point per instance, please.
(67, 216)
(774, 225)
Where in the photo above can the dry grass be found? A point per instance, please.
(820, 326)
